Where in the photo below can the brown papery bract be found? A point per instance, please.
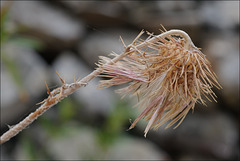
(167, 77)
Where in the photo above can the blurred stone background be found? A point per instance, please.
(39, 38)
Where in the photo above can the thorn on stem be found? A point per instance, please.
(78, 79)
(74, 79)
(63, 82)
(10, 126)
(48, 90)
(123, 42)
(41, 102)
(163, 28)
(84, 84)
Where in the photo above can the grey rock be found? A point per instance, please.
(75, 144)
(32, 69)
(49, 21)
(194, 156)
(16, 95)
(220, 14)
(170, 14)
(202, 135)
(94, 100)
(102, 43)
(4, 155)
(128, 148)
(98, 13)
(172, 6)
(223, 52)
(11, 105)
(106, 8)
(207, 135)
(9, 89)
(81, 143)
(77, 6)
(31, 138)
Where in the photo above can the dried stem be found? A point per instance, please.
(188, 45)
(60, 93)
(54, 97)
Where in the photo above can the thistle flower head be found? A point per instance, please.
(167, 73)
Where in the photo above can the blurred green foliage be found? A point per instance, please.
(29, 148)
(114, 124)
(67, 109)
(66, 112)
(8, 36)
(11, 34)
(3, 20)
(49, 125)
(5, 37)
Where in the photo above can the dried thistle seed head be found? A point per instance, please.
(169, 75)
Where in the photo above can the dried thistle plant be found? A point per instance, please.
(168, 74)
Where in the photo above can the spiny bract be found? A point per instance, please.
(168, 78)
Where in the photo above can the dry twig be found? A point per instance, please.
(174, 60)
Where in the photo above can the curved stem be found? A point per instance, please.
(188, 42)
